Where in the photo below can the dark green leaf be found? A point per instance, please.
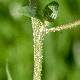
(30, 11)
(50, 11)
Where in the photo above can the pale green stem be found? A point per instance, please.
(58, 28)
(38, 50)
(39, 29)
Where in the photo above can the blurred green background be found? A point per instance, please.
(61, 49)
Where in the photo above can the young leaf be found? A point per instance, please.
(50, 11)
(30, 11)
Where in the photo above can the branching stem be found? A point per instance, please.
(39, 30)
(38, 50)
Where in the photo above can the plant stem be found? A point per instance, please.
(39, 29)
(58, 28)
(38, 44)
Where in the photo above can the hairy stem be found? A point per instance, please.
(39, 29)
(38, 44)
(58, 28)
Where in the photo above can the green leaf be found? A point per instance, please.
(33, 3)
(50, 11)
(30, 11)
(7, 71)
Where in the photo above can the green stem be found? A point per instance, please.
(38, 44)
(58, 28)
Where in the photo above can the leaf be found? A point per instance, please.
(7, 71)
(33, 3)
(30, 11)
(50, 11)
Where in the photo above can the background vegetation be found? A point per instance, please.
(61, 49)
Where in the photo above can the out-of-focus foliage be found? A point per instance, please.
(61, 49)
